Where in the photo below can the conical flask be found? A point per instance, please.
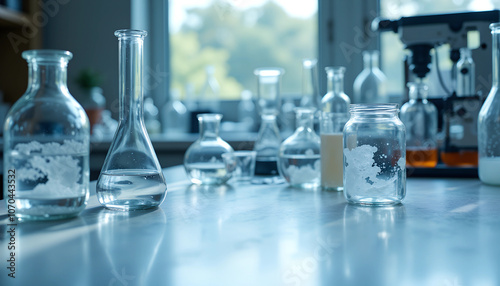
(131, 177)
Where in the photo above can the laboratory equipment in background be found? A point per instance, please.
(335, 100)
(299, 155)
(268, 103)
(209, 99)
(370, 84)
(203, 160)
(131, 177)
(310, 90)
(287, 116)
(457, 113)
(151, 114)
(332, 158)
(90, 95)
(4, 108)
(420, 119)
(247, 113)
(466, 72)
(374, 155)
(175, 115)
(46, 143)
(489, 121)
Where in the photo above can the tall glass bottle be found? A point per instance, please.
(370, 84)
(203, 159)
(131, 177)
(466, 73)
(269, 138)
(489, 121)
(335, 100)
(310, 91)
(420, 118)
(299, 155)
(46, 143)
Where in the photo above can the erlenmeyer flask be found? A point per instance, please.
(131, 177)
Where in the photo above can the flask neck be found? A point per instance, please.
(496, 56)
(335, 82)
(130, 81)
(47, 75)
(209, 125)
(370, 60)
(304, 120)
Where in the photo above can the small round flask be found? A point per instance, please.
(374, 155)
(299, 155)
(420, 118)
(131, 177)
(46, 143)
(203, 159)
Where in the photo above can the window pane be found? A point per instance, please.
(237, 36)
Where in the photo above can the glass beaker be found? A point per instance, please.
(131, 177)
(370, 85)
(269, 138)
(335, 100)
(332, 157)
(489, 121)
(374, 155)
(420, 118)
(299, 155)
(203, 159)
(46, 143)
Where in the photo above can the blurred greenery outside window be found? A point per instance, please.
(237, 36)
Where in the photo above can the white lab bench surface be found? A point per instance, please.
(447, 232)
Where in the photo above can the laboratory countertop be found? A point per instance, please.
(447, 232)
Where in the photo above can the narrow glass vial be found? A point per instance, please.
(420, 119)
(374, 155)
(466, 73)
(46, 144)
(489, 121)
(335, 100)
(131, 177)
(269, 138)
(370, 84)
(203, 159)
(310, 90)
(299, 155)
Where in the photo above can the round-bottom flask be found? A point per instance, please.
(299, 155)
(131, 177)
(203, 159)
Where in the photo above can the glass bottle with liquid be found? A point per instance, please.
(370, 85)
(46, 144)
(420, 118)
(489, 121)
(131, 177)
(335, 100)
(269, 138)
(374, 155)
(203, 160)
(299, 155)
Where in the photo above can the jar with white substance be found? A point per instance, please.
(374, 155)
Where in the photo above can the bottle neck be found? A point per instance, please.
(496, 57)
(47, 76)
(130, 80)
(209, 128)
(335, 83)
(305, 121)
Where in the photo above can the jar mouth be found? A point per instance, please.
(494, 26)
(209, 116)
(55, 56)
(374, 108)
(131, 33)
(269, 72)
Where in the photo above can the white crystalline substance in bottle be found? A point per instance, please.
(362, 173)
(56, 167)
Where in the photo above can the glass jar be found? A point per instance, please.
(374, 155)
(420, 118)
(489, 121)
(203, 160)
(299, 155)
(46, 143)
(131, 177)
(370, 85)
(335, 100)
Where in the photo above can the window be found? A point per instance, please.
(237, 36)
